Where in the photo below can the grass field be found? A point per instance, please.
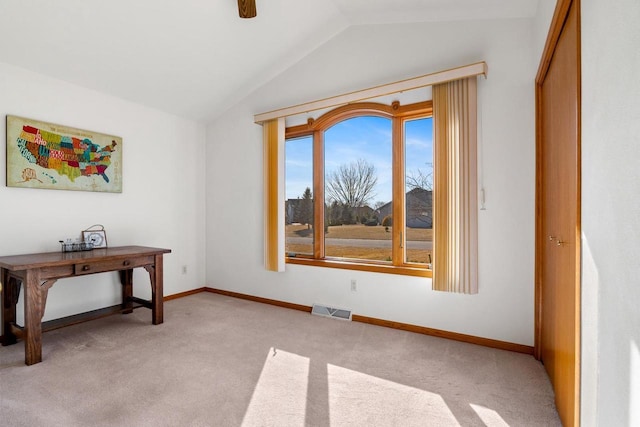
(360, 232)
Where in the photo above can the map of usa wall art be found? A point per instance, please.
(46, 155)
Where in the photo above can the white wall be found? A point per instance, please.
(161, 204)
(542, 21)
(358, 58)
(611, 212)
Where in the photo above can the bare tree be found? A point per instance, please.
(421, 178)
(352, 184)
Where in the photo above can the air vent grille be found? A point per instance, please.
(326, 311)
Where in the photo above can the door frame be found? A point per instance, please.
(557, 24)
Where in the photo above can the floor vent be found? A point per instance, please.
(336, 313)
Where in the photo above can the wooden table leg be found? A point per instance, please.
(157, 296)
(10, 295)
(126, 278)
(33, 310)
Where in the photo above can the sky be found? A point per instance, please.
(366, 137)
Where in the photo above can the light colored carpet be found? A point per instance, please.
(221, 361)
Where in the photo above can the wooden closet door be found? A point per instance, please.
(558, 218)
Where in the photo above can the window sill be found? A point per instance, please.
(361, 266)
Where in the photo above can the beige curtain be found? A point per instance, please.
(455, 217)
(273, 136)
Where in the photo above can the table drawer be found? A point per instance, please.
(56, 272)
(121, 264)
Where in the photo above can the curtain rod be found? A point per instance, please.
(479, 68)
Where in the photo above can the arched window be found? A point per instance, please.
(359, 188)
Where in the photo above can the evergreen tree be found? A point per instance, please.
(305, 208)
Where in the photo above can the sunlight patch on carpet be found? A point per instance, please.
(356, 398)
(489, 416)
(280, 395)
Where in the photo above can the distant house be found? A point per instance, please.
(419, 208)
(363, 212)
(291, 210)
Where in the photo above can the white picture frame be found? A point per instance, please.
(97, 237)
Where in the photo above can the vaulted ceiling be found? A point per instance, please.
(195, 58)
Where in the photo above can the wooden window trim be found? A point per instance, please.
(398, 196)
(418, 109)
(398, 115)
(318, 193)
(354, 264)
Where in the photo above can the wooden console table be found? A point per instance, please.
(38, 272)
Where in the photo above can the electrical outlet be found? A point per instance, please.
(354, 286)
(184, 269)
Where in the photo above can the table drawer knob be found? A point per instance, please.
(86, 268)
(126, 263)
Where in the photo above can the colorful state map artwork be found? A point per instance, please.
(58, 157)
(66, 155)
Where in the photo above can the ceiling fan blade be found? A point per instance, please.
(247, 8)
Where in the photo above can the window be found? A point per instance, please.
(418, 154)
(451, 258)
(298, 195)
(371, 165)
